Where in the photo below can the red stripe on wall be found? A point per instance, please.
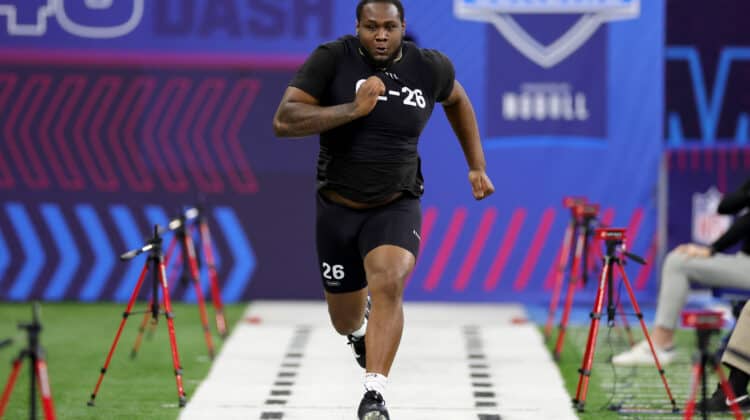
(446, 249)
(540, 238)
(509, 241)
(645, 272)
(634, 227)
(475, 251)
(428, 222)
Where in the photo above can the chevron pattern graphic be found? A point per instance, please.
(82, 262)
(119, 131)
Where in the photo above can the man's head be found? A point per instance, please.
(380, 28)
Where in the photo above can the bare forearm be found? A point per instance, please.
(296, 119)
(461, 117)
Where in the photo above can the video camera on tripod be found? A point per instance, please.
(703, 320)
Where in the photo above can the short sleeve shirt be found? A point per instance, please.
(375, 156)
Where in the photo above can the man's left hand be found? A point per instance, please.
(481, 186)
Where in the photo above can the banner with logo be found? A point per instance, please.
(706, 116)
(114, 114)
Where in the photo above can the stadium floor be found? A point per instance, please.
(456, 362)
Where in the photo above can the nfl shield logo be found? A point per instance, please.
(707, 224)
(593, 13)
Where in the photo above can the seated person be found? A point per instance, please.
(703, 265)
(737, 359)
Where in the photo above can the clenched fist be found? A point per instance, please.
(367, 96)
(481, 185)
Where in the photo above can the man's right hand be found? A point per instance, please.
(367, 96)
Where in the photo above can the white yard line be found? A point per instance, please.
(456, 362)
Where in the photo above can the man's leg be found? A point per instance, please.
(347, 310)
(387, 267)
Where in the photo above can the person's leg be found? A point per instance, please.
(737, 353)
(387, 268)
(347, 310)
(678, 272)
(341, 268)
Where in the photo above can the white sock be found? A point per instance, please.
(360, 332)
(375, 382)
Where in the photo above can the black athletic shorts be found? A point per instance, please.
(344, 236)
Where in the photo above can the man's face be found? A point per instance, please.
(380, 31)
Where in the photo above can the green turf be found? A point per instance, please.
(632, 388)
(77, 338)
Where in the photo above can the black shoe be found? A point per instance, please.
(372, 407)
(358, 344)
(719, 402)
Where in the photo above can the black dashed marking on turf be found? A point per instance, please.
(479, 372)
(282, 386)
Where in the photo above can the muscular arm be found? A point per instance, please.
(461, 115)
(299, 115)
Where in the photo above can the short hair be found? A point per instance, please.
(396, 3)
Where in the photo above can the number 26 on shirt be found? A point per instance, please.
(412, 97)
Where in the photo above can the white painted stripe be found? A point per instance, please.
(430, 378)
(394, 93)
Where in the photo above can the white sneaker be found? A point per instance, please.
(640, 355)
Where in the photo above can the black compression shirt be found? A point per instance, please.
(733, 203)
(375, 156)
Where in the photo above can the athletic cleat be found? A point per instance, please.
(719, 402)
(358, 344)
(372, 407)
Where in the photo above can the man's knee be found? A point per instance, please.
(346, 323)
(388, 282)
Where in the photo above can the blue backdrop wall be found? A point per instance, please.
(114, 113)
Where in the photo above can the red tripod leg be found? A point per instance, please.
(572, 286)
(172, 338)
(195, 274)
(728, 392)
(588, 355)
(639, 314)
(9, 385)
(213, 278)
(694, 383)
(125, 315)
(141, 330)
(559, 279)
(45, 390)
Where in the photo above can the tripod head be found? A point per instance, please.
(614, 239)
(179, 222)
(571, 202)
(153, 245)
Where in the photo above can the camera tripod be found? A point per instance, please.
(584, 215)
(37, 373)
(159, 279)
(569, 241)
(190, 274)
(614, 240)
(706, 324)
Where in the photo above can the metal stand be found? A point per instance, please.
(159, 278)
(614, 241)
(37, 370)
